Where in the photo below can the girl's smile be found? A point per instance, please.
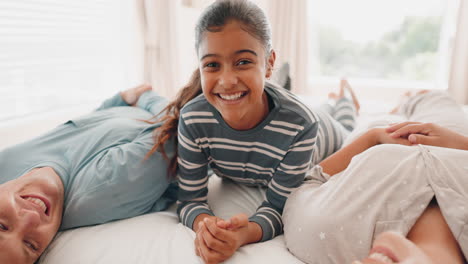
(232, 97)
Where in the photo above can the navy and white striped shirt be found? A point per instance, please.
(275, 154)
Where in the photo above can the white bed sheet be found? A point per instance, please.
(160, 238)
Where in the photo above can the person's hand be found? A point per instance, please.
(235, 222)
(428, 134)
(132, 95)
(201, 249)
(382, 136)
(217, 239)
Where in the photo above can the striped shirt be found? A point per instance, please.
(275, 154)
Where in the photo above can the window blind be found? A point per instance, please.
(59, 53)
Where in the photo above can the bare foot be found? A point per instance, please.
(131, 95)
(345, 87)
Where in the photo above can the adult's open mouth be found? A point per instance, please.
(39, 202)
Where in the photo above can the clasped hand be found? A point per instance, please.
(217, 239)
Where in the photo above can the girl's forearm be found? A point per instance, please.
(341, 159)
(252, 233)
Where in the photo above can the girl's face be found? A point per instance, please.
(233, 67)
(390, 247)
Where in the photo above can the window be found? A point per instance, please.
(60, 53)
(399, 42)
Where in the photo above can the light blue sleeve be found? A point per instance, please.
(117, 183)
(152, 102)
(114, 101)
(149, 101)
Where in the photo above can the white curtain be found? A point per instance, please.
(458, 83)
(162, 49)
(290, 30)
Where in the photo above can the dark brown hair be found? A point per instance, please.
(171, 120)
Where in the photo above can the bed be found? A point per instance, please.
(160, 238)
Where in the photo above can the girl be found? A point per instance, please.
(244, 129)
(419, 192)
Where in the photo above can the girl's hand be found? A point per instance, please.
(198, 226)
(216, 244)
(237, 221)
(208, 247)
(132, 95)
(428, 134)
(220, 239)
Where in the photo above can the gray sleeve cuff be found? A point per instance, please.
(188, 212)
(268, 232)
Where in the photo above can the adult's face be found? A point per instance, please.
(30, 214)
(391, 247)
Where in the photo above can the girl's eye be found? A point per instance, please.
(211, 65)
(30, 245)
(3, 227)
(243, 62)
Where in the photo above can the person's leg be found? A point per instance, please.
(432, 234)
(346, 106)
(336, 121)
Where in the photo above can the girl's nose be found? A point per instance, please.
(228, 78)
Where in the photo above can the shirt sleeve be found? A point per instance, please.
(152, 102)
(149, 101)
(117, 183)
(192, 172)
(289, 175)
(114, 101)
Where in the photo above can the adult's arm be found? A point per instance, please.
(429, 134)
(341, 159)
(129, 97)
(117, 183)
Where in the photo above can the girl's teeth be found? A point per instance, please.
(38, 202)
(230, 96)
(381, 257)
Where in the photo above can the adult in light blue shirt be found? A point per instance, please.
(88, 171)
